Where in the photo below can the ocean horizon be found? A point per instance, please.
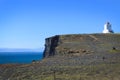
(20, 57)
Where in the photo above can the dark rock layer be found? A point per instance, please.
(50, 44)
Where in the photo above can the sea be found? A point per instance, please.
(20, 57)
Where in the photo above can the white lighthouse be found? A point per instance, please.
(107, 28)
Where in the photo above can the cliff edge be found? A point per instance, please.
(80, 44)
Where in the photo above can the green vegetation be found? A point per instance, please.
(83, 72)
(114, 51)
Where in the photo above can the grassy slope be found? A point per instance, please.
(98, 61)
(81, 72)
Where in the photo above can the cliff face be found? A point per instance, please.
(79, 44)
(50, 45)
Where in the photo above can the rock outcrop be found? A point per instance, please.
(79, 44)
(50, 45)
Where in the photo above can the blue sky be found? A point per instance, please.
(26, 23)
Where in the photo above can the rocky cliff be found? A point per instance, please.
(50, 45)
(79, 44)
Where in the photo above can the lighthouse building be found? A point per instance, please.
(107, 28)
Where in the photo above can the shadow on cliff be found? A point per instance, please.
(50, 45)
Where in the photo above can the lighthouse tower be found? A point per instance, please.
(107, 28)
